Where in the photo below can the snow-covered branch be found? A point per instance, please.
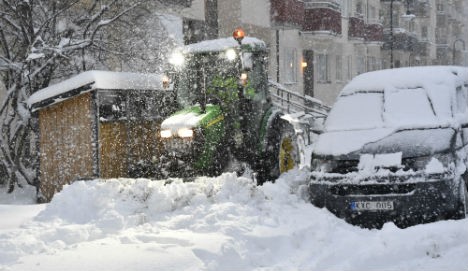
(41, 40)
(103, 23)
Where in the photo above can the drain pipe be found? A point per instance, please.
(277, 56)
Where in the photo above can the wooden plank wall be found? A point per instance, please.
(123, 144)
(144, 142)
(66, 151)
(113, 160)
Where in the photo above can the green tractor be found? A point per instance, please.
(225, 113)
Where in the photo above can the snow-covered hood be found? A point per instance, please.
(182, 120)
(191, 117)
(338, 143)
(411, 142)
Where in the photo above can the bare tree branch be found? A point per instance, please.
(41, 40)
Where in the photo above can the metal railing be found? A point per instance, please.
(310, 112)
(291, 102)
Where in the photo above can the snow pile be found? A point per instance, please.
(121, 203)
(223, 223)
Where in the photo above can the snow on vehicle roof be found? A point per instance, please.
(399, 98)
(407, 78)
(222, 44)
(376, 104)
(96, 80)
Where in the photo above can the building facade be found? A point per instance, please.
(317, 46)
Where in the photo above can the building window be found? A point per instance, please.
(373, 63)
(350, 67)
(290, 65)
(361, 64)
(322, 68)
(359, 11)
(373, 15)
(339, 68)
(112, 105)
(440, 6)
(424, 32)
(411, 26)
(369, 63)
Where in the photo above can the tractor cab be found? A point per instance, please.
(221, 71)
(221, 89)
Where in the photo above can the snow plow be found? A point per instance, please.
(226, 118)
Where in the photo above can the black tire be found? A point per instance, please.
(281, 155)
(221, 159)
(462, 211)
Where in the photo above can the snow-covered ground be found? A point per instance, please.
(223, 223)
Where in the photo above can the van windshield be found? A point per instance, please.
(392, 108)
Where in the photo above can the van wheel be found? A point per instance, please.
(288, 151)
(464, 195)
(281, 155)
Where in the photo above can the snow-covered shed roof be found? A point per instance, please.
(91, 80)
(222, 44)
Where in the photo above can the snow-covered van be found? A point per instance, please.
(395, 148)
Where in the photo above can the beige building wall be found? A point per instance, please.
(196, 11)
(241, 13)
(345, 56)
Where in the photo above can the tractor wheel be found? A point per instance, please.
(281, 155)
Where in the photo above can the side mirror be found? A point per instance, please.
(247, 63)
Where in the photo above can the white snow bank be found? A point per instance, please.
(13, 216)
(19, 196)
(100, 80)
(223, 223)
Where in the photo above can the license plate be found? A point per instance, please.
(372, 205)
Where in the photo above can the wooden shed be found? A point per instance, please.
(99, 124)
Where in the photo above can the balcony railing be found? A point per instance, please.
(322, 19)
(357, 28)
(402, 39)
(322, 4)
(374, 32)
(287, 12)
(184, 3)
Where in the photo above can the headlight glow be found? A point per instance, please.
(231, 54)
(177, 59)
(185, 132)
(166, 133)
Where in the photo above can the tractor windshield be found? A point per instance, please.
(204, 72)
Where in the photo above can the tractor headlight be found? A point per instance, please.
(185, 132)
(231, 54)
(167, 133)
(177, 59)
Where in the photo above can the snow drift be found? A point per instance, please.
(223, 223)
